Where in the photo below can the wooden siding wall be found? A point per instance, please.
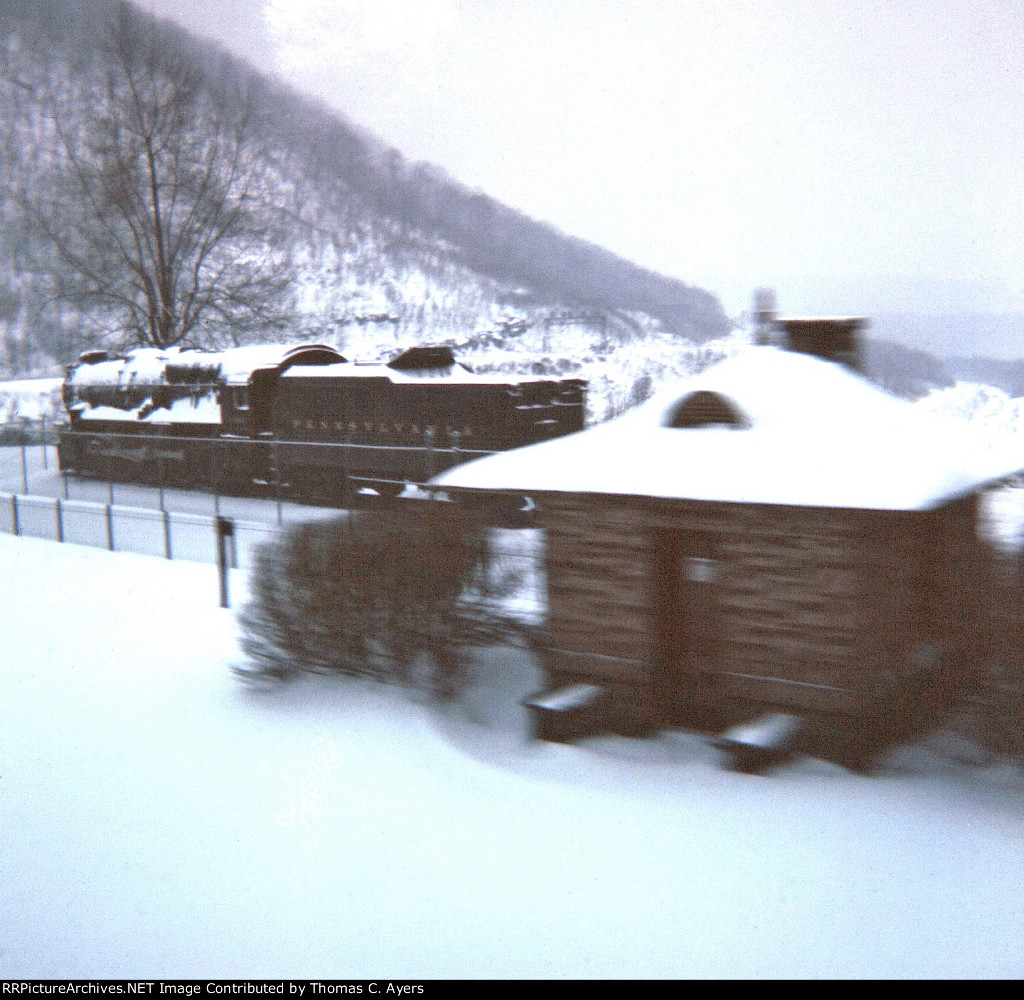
(964, 603)
(819, 609)
(598, 563)
(793, 602)
(900, 585)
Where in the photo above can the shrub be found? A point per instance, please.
(374, 595)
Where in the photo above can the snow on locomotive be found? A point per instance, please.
(302, 420)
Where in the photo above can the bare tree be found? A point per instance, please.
(159, 201)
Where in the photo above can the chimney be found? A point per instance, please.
(834, 338)
(764, 313)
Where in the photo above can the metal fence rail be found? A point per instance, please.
(515, 558)
(153, 532)
(39, 501)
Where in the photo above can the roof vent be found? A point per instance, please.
(309, 355)
(706, 409)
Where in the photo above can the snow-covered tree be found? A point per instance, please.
(160, 204)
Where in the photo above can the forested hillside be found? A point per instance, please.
(154, 189)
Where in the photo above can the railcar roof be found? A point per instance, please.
(454, 373)
(148, 366)
(813, 433)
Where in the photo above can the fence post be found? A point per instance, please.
(15, 525)
(162, 481)
(167, 533)
(46, 467)
(218, 472)
(60, 519)
(110, 527)
(24, 462)
(225, 530)
(67, 488)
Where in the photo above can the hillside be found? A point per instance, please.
(368, 249)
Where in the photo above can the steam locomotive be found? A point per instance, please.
(299, 421)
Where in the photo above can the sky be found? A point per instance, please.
(858, 155)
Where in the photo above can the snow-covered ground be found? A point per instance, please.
(30, 399)
(982, 405)
(159, 819)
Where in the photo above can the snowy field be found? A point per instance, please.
(158, 819)
(30, 399)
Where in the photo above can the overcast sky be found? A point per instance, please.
(859, 155)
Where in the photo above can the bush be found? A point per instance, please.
(374, 595)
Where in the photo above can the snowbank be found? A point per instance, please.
(159, 820)
(30, 399)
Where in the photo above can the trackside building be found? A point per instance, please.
(776, 534)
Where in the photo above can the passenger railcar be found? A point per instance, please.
(303, 421)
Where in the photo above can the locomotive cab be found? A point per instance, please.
(248, 393)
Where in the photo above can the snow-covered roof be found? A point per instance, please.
(148, 365)
(453, 373)
(238, 363)
(813, 433)
(144, 365)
